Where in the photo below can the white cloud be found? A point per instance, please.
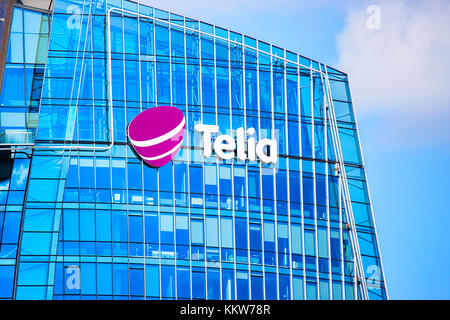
(21, 174)
(399, 73)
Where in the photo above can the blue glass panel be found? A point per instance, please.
(196, 180)
(135, 229)
(349, 145)
(182, 229)
(310, 244)
(228, 284)
(119, 221)
(6, 281)
(308, 188)
(264, 91)
(213, 289)
(167, 282)
(42, 190)
(12, 79)
(294, 188)
(324, 289)
(31, 293)
(271, 286)
(311, 290)
(257, 287)
(242, 285)
(104, 277)
(152, 280)
(38, 220)
(321, 193)
(285, 287)
(151, 228)
(305, 93)
(184, 283)
(198, 285)
(349, 291)
(293, 134)
(337, 290)
(197, 231)
(306, 140)
(166, 227)
(298, 290)
(278, 88)
(136, 282)
(87, 225)
(32, 273)
(241, 239)
(283, 244)
(11, 227)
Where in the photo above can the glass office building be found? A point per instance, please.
(82, 216)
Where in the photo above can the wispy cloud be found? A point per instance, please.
(398, 73)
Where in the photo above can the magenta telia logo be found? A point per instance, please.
(157, 133)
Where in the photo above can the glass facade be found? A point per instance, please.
(83, 217)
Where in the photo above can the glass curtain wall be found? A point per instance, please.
(99, 223)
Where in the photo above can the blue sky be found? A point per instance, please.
(398, 76)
